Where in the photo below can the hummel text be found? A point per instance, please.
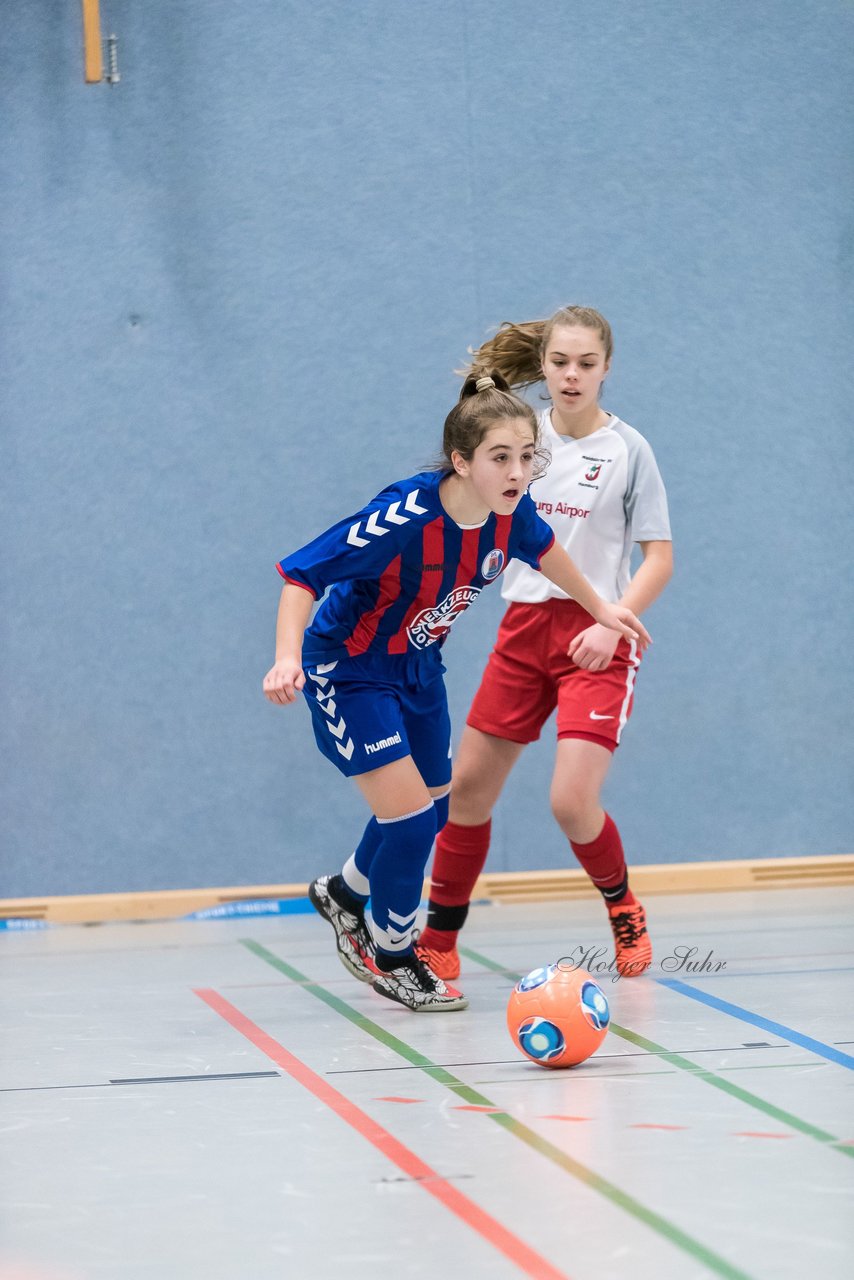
(371, 747)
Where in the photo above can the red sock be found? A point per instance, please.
(605, 863)
(461, 854)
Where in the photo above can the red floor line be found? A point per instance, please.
(566, 1118)
(528, 1261)
(490, 1111)
(668, 1127)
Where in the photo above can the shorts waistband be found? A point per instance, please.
(570, 608)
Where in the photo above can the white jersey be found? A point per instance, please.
(601, 494)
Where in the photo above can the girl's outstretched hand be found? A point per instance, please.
(283, 682)
(618, 618)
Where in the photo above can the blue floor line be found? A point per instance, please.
(767, 1024)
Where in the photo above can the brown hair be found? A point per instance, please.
(516, 351)
(485, 399)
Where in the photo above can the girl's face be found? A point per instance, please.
(574, 366)
(501, 466)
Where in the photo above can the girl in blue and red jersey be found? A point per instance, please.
(401, 571)
(601, 494)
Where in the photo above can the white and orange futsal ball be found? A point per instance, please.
(557, 1016)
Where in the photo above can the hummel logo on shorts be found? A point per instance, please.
(371, 747)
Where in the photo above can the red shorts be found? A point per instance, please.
(529, 673)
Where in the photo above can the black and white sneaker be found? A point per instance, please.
(415, 985)
(355, 945)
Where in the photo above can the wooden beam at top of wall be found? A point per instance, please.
(836, 870)
(92, 46)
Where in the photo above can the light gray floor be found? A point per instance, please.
(348, 1137)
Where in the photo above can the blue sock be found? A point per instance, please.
(443, 804)
(357, 869)
(397, 878)
(356, 872)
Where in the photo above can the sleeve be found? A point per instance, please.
(359, 546)
(532, 536)
(645, 503)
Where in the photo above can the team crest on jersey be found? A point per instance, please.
(593, 473)
(434, 624)
(492, 565)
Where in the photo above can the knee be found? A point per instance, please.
(471, 797)
(572, 807)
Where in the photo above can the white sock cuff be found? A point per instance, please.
(405, 816)
(354, 879)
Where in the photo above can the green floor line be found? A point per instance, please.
(702, 1073)
(668, 1230)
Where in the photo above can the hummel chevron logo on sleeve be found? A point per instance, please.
(411, 503)
(371, 525)
(373, 528)
(353, 537)
(392, 515)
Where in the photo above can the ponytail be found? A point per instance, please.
(516, 351)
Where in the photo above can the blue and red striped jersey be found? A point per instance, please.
(401, 571)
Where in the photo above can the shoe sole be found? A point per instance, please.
(455, 1004)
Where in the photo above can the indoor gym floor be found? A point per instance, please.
(220, 1099)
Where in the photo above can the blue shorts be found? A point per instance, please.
(371, 710)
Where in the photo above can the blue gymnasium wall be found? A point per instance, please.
(235, 289)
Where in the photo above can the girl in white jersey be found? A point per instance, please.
(601, 494)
